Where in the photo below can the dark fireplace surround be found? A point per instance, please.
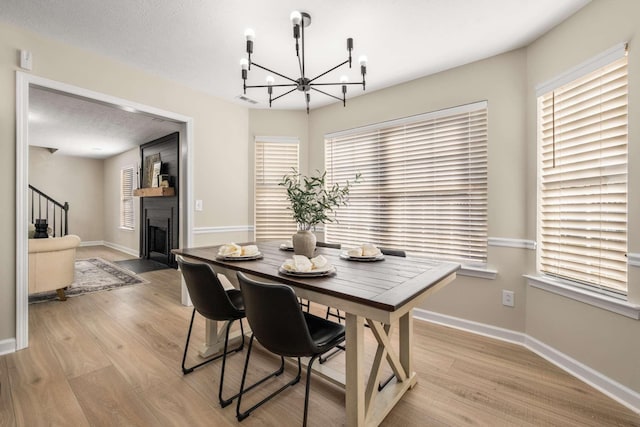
(159, 217)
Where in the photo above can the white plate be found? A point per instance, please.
(319, 272)
(345, 255)
(240, 258)
(286, 247)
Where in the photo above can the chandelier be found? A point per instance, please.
(304, 84)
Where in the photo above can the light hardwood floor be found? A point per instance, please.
(113, 359)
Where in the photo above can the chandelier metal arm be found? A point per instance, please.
(325, 93)
(337, 84)
(274, 72)
(267, 86)
(286, 93)
(329, 70)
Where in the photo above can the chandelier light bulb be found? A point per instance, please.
(296, 17)
(344, 79)
(270, 80)
(244, 63)
(363, 61)
(250, 34)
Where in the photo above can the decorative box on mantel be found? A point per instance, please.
(154, 192)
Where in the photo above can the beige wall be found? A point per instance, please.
(219, 128)
(501, 81)
(76, 180)
(606, 342)
(129, 239)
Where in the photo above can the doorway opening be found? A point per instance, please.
(24, 83)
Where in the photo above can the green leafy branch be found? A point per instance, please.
(311, 201)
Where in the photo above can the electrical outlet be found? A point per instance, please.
(508, 298)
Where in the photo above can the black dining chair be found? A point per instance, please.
(213, 302)
(283, 328)
(393, 252)
(328, 245)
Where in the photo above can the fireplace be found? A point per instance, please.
(158, 234)
(159, 211)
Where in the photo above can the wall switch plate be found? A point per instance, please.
(198, 205)
(26, 60)
(508, 298)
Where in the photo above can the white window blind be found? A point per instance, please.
(424, 185)
(582, 138)
(274, 158)
(126, 197)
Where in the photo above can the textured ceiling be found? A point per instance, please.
(78, 127)
(199, 42)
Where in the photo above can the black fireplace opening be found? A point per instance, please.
(158, 240)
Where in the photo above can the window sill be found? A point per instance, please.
(595, 299)
(480, 272)
(126, 229)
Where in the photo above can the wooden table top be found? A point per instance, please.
(385, 284)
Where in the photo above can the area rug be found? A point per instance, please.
(93, 274)
(141, 265)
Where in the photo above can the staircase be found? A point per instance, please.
(45, 207)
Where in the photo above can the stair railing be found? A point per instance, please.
(45, 207)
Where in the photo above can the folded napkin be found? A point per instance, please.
(366, 249)
(250, 250)
(302, 264)
(230, 249)
(319, 262)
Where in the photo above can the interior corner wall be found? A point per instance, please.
(500, 80)
(76, 180)
(220, 135)
(604, 341)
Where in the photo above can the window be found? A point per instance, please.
(424, 185)
(582, 200)
(275, 157)
(126, 197)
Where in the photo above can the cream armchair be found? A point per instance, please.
(52, 264)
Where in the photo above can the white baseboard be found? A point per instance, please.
(92, 243)
(7, 346)
(126, 250)
(129, 251)
(606, 385)
(613, 389)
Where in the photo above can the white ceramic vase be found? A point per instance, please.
(304, 243)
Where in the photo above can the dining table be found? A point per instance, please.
(379, 292)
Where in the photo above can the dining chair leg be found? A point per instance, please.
(322, 358)
(384, 383)
(306, 392)
(244, 414)
(190, 369)
(227, 402)
(337, 315)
